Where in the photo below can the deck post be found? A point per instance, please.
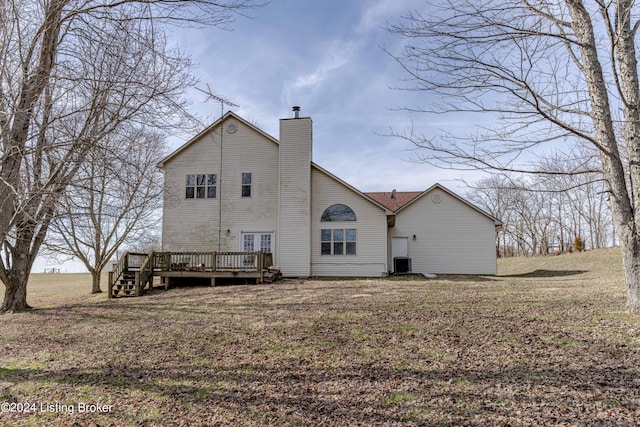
(110, 285)
(137, 283)
(213, 281)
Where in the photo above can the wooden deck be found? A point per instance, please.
(134, 272)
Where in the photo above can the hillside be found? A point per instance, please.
(604, 264)
(597, 264)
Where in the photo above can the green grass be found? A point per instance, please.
(546, 342)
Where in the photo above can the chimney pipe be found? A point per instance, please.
(296, 112)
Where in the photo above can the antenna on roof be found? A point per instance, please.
(221, 100)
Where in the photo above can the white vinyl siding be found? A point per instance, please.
(450, 236)
(370, 258)
(192, 224)
(295, 197)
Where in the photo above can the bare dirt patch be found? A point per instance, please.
(515, 349)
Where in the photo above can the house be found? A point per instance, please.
(233, 187)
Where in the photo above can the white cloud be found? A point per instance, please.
(383, 11)
(336, 56)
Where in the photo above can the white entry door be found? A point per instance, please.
(399, 247)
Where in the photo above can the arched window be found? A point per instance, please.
(338, 212)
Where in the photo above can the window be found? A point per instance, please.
(246, 184)
(212, 181)
(338, 213)
(201, 186)
(350, 241)
(191, 186)
(338, 241)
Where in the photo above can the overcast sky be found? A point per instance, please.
(327, 57)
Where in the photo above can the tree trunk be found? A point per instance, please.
(631, 264)
(15, 298)
(626, 54)
(623, 207)
(15, 294)
(95, 287)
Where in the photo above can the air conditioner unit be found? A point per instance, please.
(401, 265)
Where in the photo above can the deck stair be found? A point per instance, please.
(271, 274)
(126, 286)
(130, 275)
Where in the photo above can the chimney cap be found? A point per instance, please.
(296, 111)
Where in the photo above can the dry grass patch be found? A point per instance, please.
(48, 290)
(523, 348)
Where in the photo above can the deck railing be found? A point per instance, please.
(116, 272)
(211, 261)
(144, 265)
(238, 261)
(183, 261)
(145, 275)
(136, 260)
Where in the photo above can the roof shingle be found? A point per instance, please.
(402, 198)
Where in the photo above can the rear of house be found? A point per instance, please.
(235, 188)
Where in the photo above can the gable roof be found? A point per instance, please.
(350, 187)
(439, 186)
(393, 204)
(205, 131)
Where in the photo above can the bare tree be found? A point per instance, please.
(73, 73)
(553, 73)
(543, 214)
(113, 199)
(501, 196)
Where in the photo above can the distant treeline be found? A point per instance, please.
(544, 215)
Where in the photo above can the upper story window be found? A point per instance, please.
(246, 184)
(338, 212)
(212, 182)
(201, 186)
(191, 187)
